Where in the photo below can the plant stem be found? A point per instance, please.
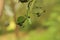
(32, 4)
(2, 3)
(1, 7)
(30, 8)
(17, 29)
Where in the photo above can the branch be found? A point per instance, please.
(17, 29)
(1, 7)
(33, 1)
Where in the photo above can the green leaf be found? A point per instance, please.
(21, 20)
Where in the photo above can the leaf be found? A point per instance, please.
(21, 20)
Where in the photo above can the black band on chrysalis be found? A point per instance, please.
(23, 1)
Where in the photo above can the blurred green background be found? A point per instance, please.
(44, 27)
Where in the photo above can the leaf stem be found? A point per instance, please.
(30, 8)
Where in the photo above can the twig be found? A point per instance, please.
(1, 10)
(17, 29)
(1, 7)
(30, 9)
(32, 4)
